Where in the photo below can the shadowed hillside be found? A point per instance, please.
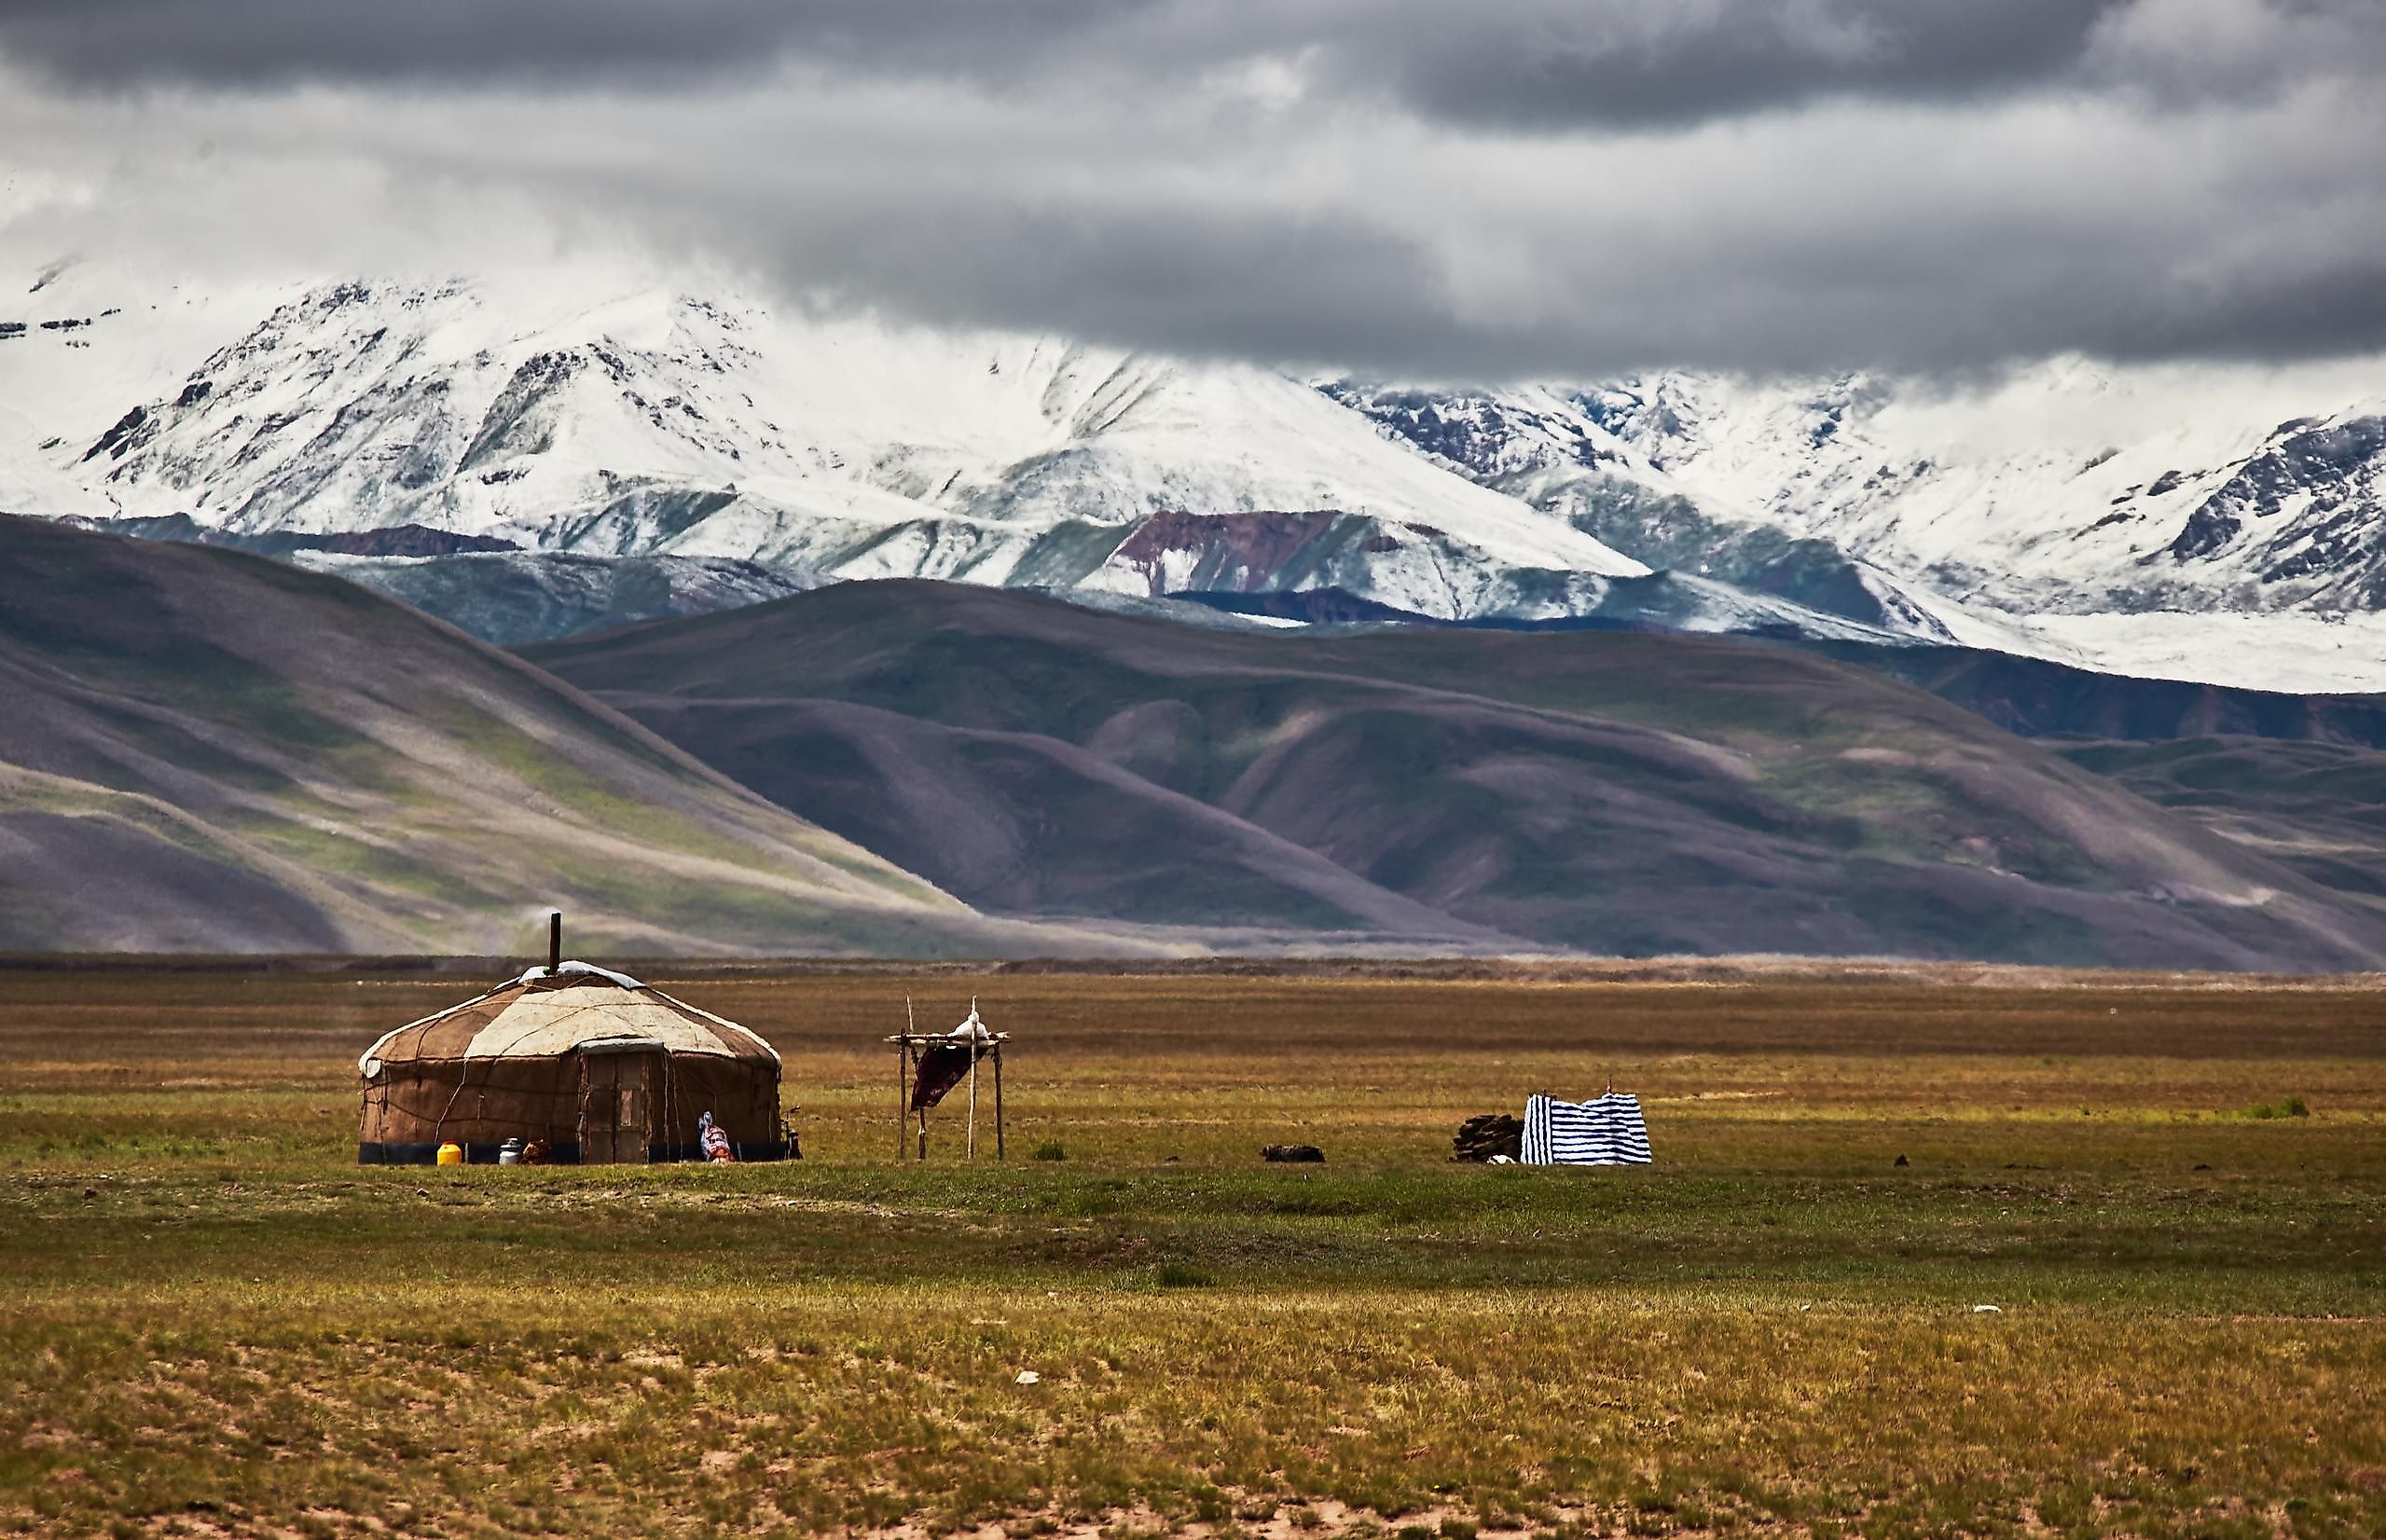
(1613, 793)
(2318, 808)
(2036, 698)
(205, 750)
(2298, 778)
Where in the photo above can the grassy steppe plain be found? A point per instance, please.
(210, 1320)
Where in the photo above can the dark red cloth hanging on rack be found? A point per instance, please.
(942, 1067)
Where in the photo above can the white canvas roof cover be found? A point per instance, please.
(541, 1015)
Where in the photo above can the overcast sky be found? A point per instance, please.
(1490, 190)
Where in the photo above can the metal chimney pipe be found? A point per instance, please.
(554, 941)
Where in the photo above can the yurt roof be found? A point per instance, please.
(547, 1012)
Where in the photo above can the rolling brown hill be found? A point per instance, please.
(2318, 807)
(1607, 793)
(203, 751)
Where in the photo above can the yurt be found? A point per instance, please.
(593, 1065)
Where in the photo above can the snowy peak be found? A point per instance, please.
(641, 422)
(2069, 487)
(1593, 459)
(1490, 437)
(360, 406)
(2303, 512)
(2039, 512)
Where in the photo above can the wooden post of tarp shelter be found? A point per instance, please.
(998, 1098)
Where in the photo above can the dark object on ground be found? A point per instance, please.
(1486, 1135)
(1902, 1160)
(1293, 1153)
(1050, 1151)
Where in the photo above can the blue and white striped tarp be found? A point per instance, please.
(1607, 1132)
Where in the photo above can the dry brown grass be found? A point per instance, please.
(216, 1322)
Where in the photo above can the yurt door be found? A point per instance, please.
(620, 1094)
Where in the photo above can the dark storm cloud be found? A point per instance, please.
(1346, 295)
(1528, 63)
(247, 42)
(1512, 188)
(2336, 305)
(1929, 240)
(1557, 63)
(1233, 284)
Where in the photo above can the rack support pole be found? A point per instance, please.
(971, 1145)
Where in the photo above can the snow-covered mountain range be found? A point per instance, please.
(2219, 523)
(2223, 524)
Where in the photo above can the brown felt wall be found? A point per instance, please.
(484, 1101)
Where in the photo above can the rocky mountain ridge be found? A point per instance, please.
(2068, 488)
(2222, 525)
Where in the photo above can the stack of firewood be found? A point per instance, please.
(1480, 1138)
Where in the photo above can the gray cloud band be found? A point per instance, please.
(1341, 293)
(1525, 63)
(1547, 187)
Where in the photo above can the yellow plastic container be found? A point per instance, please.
(451, 1154)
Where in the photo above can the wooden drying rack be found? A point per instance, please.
(909, 1047)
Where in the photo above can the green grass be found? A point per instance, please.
(313, 840)
(215, 1322)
